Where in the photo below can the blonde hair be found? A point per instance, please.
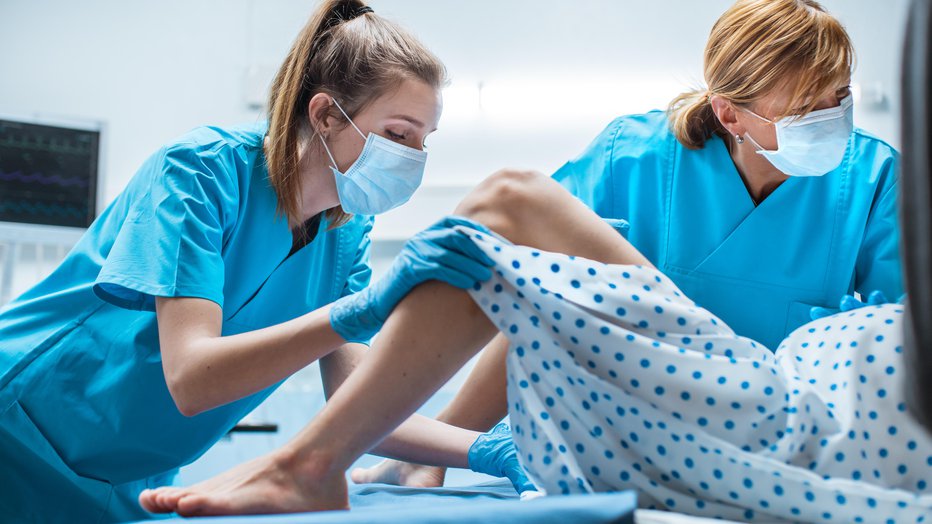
(351, 54)
(757, 46)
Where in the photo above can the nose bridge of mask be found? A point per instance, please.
(819, 115)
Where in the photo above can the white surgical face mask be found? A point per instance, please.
(383, 177)
(810, 145)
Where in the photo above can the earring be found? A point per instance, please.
(739, 139)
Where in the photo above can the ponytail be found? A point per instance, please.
(692, 119)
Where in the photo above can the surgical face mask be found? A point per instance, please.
(383, 177)
(810, 145)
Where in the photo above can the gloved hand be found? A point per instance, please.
(494, 453)
(437, 253)
(849, 303)
(621, 226)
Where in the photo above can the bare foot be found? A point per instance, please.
(400, 474)
(263, 485)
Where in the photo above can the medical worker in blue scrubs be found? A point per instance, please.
(207, 281)
(755, 195)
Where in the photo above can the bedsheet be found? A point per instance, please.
(489, 502)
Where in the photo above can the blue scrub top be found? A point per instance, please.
(759, 268)
(83, 397)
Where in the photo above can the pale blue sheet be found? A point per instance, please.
(490, 502)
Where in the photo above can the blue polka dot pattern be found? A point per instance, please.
(630, 385)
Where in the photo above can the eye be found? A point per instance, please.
(394, 136)
(843, 92)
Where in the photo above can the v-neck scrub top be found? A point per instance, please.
(85, 413)
(760, 268)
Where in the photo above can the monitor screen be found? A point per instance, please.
(48, 174)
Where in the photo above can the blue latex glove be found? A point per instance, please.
(621, 226)
(494, 453)
(437, 253)
(849, 303)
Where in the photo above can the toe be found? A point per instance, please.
(147, 499)
(151, 500)
(361, 476)
(192, 505)
(167, 499)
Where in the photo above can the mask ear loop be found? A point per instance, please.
(333, 162)
(760, 149)
(350, 120)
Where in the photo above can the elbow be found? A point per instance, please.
(187, 409)
(179, 387)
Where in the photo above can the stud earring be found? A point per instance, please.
(739, 139)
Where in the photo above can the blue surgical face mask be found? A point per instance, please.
(383, 177)
(813, 144)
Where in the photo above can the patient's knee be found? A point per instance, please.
(500, 200)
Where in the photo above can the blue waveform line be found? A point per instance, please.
(41, 178)
(30, 208)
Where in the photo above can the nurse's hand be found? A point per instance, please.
(849, 303)
(494, 453)
(437, 253)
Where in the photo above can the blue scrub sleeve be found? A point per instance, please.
(170, 243)
(589, 176)
(361, 273)
(878, 264)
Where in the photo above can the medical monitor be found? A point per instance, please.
(49, 172)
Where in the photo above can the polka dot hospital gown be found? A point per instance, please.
(616, 381)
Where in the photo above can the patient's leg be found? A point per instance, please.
(478, 406)
(412, 357)
(532, 210)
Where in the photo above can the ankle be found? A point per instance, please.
(307, 465)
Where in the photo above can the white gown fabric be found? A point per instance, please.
(618, 381)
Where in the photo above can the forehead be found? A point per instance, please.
(411, 98)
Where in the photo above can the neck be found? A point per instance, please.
(759, 176)
(318, 190)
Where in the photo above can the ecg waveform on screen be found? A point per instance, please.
(38, 209)
(48, 174)
(43, 179)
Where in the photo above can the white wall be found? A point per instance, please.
(553, 74)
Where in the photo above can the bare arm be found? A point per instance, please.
(204, 370)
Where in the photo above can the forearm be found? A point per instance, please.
(426, 441)
(221, 369)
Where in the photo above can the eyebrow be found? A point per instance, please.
(407, 118)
